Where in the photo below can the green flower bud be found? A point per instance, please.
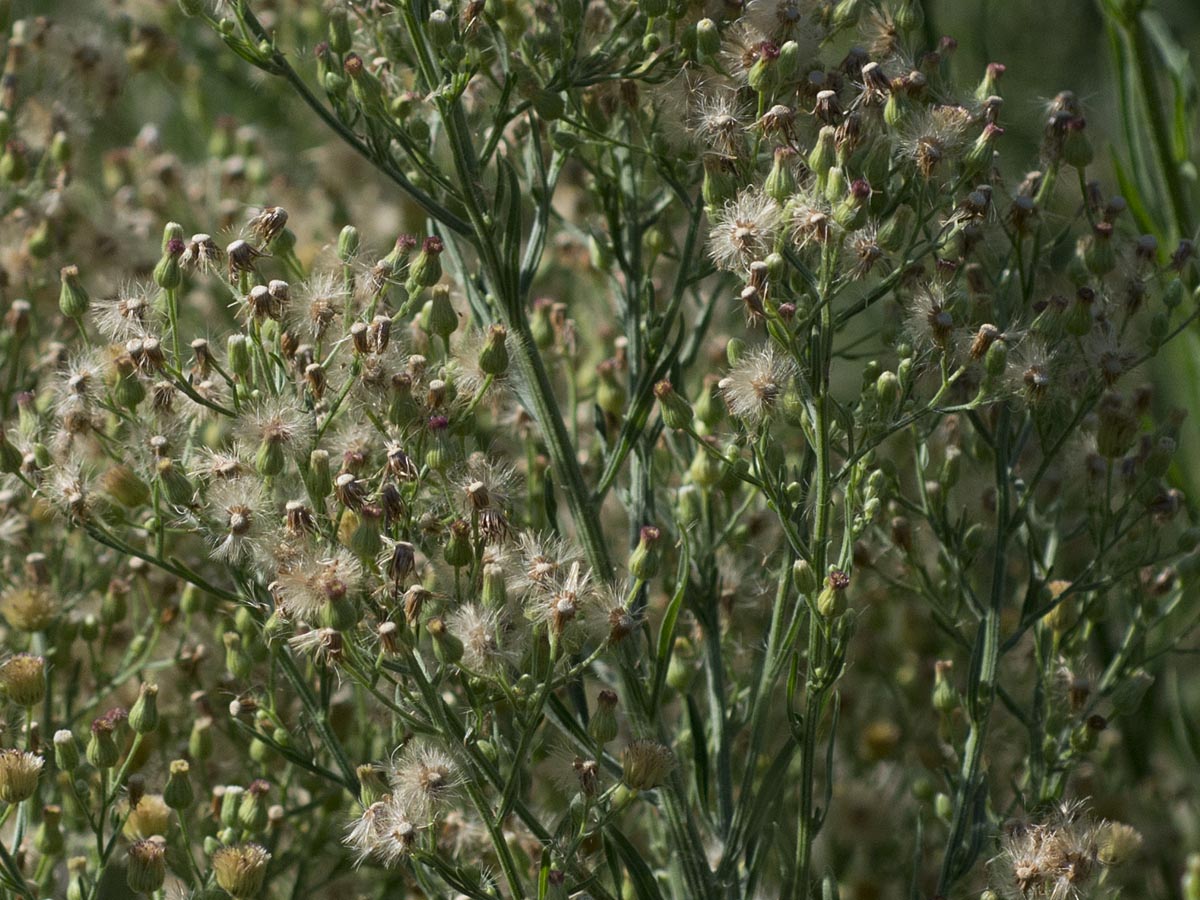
(1173, 294)
(787, 67)
(340, 611)
(200, 740)
(681, 670)
(494, 590)
(846, 13)
(270, 459)
(1096, 249)
(688, 505)
(831, 602)
(102, 751)
(237, 660)
(1076, 148)
(179, 490)
(781, 180)
(178, 793)
(340, 37)
(981, 154)
(66, 750)
(910, 16)
(603, 724)
(945, 695)
(129, 390)
(951, 467)
(1158, 460)
(493, 357)
(73, 300)
(365, 85)
(720, 183)
(252, 810)
(446, 647)
(123, 484)
(440, 29)
(114, 606)
(708, 39)
(426, 269)
(318, 479)
(823, 155)
(147, 865)
(762, 74)
(348, 244)
(735, 349)
(887, 391)
(443, 320)
(611, 395)
(805, 577)
(168, 274)
(237, 351)
(836, 184)
(851, 211)
(143, 717)
(372, 784)
(705, 470)
(458, 551)
(643, 562)
(1190, 883)
(675, 410)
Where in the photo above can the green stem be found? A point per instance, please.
(982, 689)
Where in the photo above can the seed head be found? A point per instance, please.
(424, 779)
(646, 764)
(28, 608)
(23, 678)
(744, 231)
(202, 254)
(241, 869)
(19, 773)
(268, 224)
(147, 868)
(754, 386)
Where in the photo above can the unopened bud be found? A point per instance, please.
(674, 407)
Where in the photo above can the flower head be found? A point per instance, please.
(129, 314)
(424, 779)
(754, 386)
(1051, 860)
(744, 231)
(19, 773)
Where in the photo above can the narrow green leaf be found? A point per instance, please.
(644, 885)
(699, 751)
(666, 630)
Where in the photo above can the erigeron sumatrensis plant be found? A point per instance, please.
(740, 483)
